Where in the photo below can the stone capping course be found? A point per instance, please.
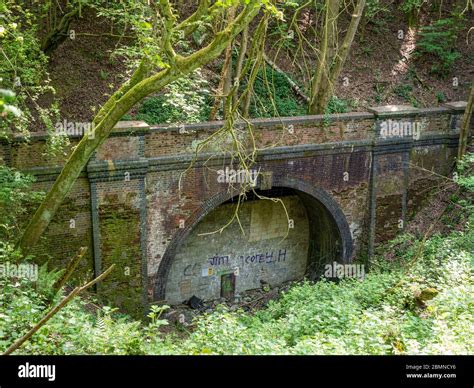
(122, 128)
(126, 128)
(116, 164)
(265, 122)
(138, 128)
(392, 110)
(299, 150)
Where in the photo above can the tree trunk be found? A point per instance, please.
(225, 82)
(59, 33)
(240, 63)
(466, 125)
(322, 67)
(254, 62)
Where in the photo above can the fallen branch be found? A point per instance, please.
(292, 83)
(70, 269)
(275, 67)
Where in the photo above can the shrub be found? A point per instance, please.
(337, 105)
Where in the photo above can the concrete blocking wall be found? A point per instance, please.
(261, 254)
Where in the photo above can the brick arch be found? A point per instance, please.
(332, 207)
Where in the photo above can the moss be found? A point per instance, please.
(120, 245)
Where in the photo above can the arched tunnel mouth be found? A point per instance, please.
(271, 243)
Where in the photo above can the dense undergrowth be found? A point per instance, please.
(421, 301)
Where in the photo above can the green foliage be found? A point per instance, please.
(8, 111)
(186, 100)
(403, 90)
(440, 97)
(337, 105)
(406, 92)
(374, 9)
(23, 66)
(46, 280)
(104, 74)
(15, 200)
(410, 6)
(154, 316)
(379, 89)
(437, 42)
(367, 50)
(280, 33)
(148, 39)
(378, 315)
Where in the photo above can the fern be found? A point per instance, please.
(46, 280)
(438, 41)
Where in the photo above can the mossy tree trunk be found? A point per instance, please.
(327, 49)
(329, 70)
(60, 32)
(226, 72)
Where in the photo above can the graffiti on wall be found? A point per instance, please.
(218, 261)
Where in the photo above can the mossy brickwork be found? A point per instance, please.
(120, 245)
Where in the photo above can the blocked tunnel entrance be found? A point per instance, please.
(271, 244)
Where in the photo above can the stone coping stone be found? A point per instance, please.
(456, 105)
(122, 128)
(130, 128)
(118, 164)
(393, 110)
(410, 111)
